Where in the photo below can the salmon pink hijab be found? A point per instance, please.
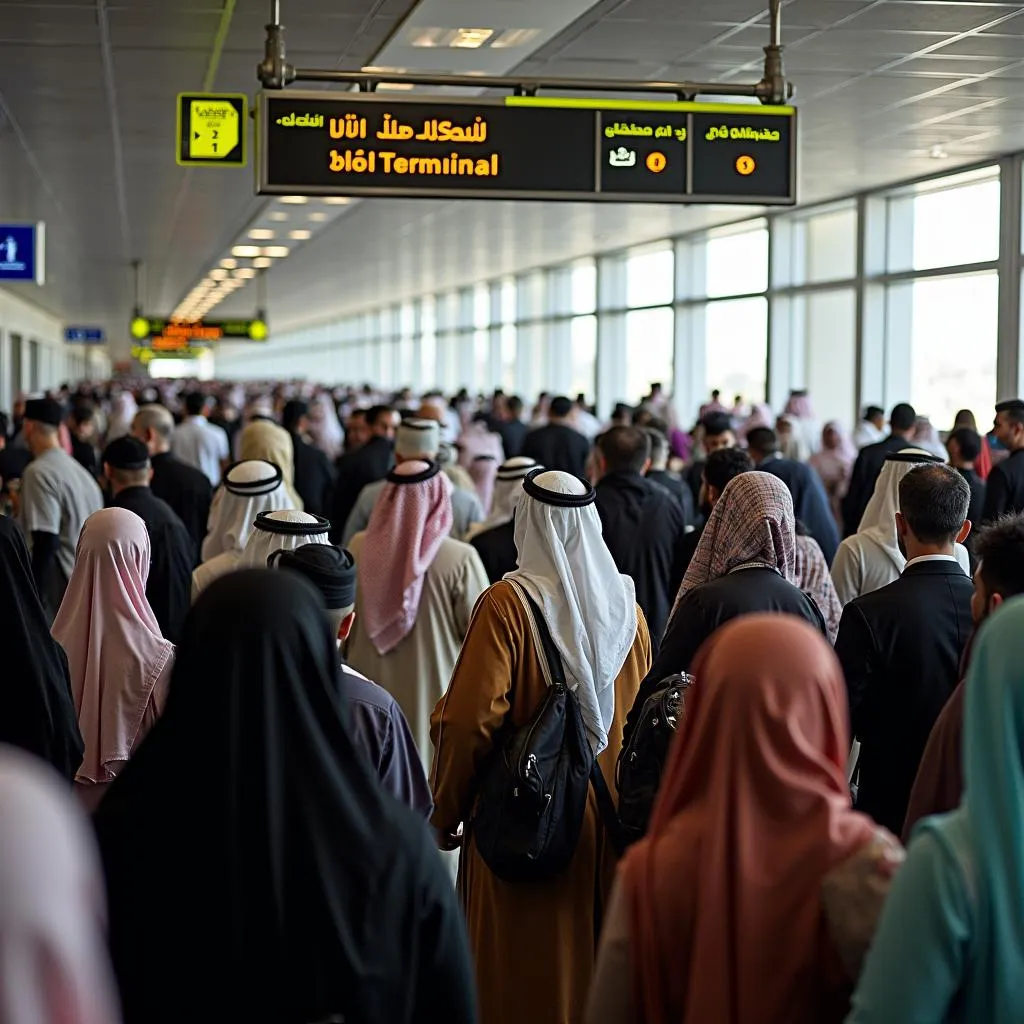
(727, 925)
(410, 521)
(115, 650)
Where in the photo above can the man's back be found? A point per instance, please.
(187, 491)
(900, 649)
(201, 445)
(356, 469)
(314, 476)
(1004, 490)
(678, 488)
(643, 527)
(810, 502)
(513, 434)
(558, 447)
(168, 588)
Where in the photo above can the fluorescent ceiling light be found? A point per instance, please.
(395, 87)
(278, 251)
(371, 68)
(318, 217)
(247, 251)
(229, 264)
(428, 38)
(262, 262)
(279, 215)
(218, 274)
(334, 201)
(300, 234)
(261, 234)
(515, 37)
(245, 273)
(295, 200)
(471, 38)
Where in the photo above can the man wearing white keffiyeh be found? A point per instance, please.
(537, 965)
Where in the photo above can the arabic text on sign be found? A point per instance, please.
(744, 134)
(432, 130)
(386, 162)
(214, 129)
(632, 130)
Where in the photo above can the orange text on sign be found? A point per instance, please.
(745, 165)
(656, 162)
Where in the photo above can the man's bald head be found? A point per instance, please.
(154, 426)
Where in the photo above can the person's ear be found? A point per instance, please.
(647, 466)
(345, 627)
(149, 479)
(965, 532)
(994, 601)
(712, 493)
(108, 474)
(901, 525)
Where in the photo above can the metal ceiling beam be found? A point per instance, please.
(274, 72)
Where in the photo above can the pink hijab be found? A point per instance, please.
(116, 653)
(54, 967)
(753, 811)
(410, 520)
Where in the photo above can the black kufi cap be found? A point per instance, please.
(557, 498)
(44, 410)
(126, 453)
(331, 570)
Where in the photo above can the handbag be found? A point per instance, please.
(533, 787)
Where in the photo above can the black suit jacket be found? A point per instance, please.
(169, 587)
(900, 648)
(356, 469)
(513, 434)
(497, 550)
(1004, 490)
(557, 446)
(703, 609)
(869, 464)
(810, 502)
(187, 490)
(976, 509)
(314, 476)
(644, 529)
(678, 488)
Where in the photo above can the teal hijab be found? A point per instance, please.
(987, 832)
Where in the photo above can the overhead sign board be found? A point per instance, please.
(23, 252)
(525, 148)
(190, 331)
(211, 129)
(145, 355)
(84, 335)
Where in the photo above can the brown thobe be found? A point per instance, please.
(533, 943)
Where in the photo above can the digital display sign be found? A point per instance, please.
(526, 148)
(186, 332)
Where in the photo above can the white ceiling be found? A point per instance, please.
(879, 83)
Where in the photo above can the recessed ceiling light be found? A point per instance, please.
(938, 153)
(318, 217)
(295, 200)
(247, 251)
(245, 273)
(218, 274)
(429, 38)
(229, 264)
(262, 262)
(471, 38)
(300, 234)
(334, 201)
(515, 37)
(279, 215)
(261, 234)
(277, 251)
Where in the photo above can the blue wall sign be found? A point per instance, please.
(84, 335)
(22, 255)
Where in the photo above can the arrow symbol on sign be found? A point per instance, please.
(195, 135)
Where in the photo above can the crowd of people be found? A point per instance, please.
(350, 684)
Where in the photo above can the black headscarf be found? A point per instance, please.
(255, 868)
(37, 712)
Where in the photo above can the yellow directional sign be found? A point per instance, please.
(211, 129)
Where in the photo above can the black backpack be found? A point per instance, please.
(642, 759)
(532, 788)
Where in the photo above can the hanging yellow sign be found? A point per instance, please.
(211, 129)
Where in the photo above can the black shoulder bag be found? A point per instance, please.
(532, 793)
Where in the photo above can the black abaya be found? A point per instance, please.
(37, 712)
(256, 869)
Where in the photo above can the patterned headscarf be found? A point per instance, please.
(752, 525)
(814, 579)
(410, 521)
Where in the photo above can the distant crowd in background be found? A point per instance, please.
(663, 698)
